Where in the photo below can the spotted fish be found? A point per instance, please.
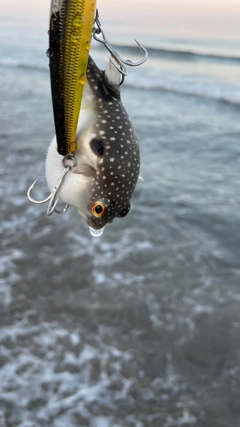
(101, 183)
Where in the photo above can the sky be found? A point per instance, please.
(218, 19)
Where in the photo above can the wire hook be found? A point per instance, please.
(53, 197)
(117, 60)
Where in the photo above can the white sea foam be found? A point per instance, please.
(9, 276)
(185, 419)
(22, 377)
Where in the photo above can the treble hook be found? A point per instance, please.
(118, 61)
(53, 196)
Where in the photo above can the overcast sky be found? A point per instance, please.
(185, 18)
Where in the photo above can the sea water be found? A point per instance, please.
(140, 327)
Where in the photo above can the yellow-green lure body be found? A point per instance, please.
(70, 33)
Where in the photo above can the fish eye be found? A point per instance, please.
(99, 209)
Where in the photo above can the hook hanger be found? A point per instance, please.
(53, 197)
(117, 60)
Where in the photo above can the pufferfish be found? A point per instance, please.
(101, 183)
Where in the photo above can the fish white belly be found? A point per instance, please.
(74, 183)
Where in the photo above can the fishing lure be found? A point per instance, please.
(99, 169)
(70, 33)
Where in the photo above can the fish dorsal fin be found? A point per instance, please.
(112, 75)
(140, 179)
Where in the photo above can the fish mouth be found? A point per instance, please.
(96, 233)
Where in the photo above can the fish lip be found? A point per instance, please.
(104, 221)
(94, 226)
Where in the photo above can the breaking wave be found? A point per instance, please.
(156, 81)
(214, 92)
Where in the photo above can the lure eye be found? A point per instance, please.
(99, 209)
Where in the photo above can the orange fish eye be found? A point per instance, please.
(99, 209)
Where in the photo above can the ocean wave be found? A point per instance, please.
(217, 93)
(19, 63)
(183, 55)
(161, 52)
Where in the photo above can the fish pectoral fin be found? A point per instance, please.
(112, 75)
(140, 179)
(85, 169)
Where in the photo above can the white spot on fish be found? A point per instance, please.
(112, 159)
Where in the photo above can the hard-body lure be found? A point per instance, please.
(70, 33)
(98, 172)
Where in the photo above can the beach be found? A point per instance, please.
(141, 327)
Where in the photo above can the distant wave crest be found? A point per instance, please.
(161, 52)
(15, 63)
(180, 54)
